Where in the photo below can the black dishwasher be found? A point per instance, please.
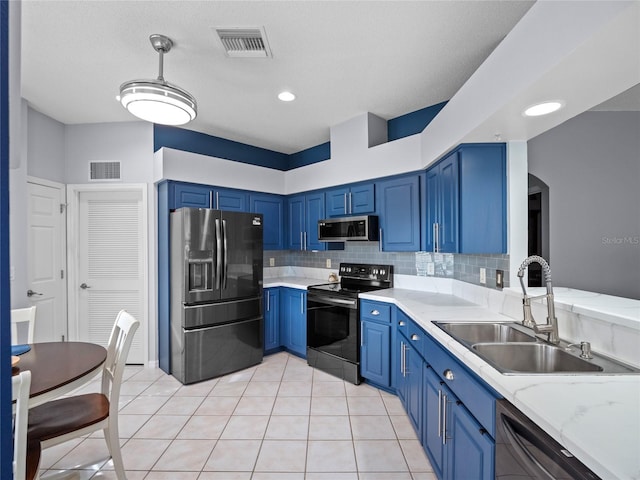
(525, 451)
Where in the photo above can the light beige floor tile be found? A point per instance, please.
(142, 454)
(91, 451)
(218, 406)
(424, 476)
(330, 456)
(225, 476)
(145, 375)
(295, 389)
(111, 475)
(331, 476)
(362, 390)
(245, 427)
(204, 427)
(134, 388)
(233, 455)
(329, 406)
(282, 456)
(161, 388)
(255, 406)
(185, 455)
(415, 456)
(162, 426)
(379, 456)
(268, 374)
(320, 376)
(201, 389)
(228, 389)
(328, 389)
(237, 377)
(288, 427)
(144, 405)
(366, 427)
(261, 389)
(403, 427)
(327, 427)
(298, 373)
(385, 476)
(171, 476)
(128, 425)
(393, 405)
(51, 455)
(278, 476)
(292, 406)
(181, 406)
(124, 400)
(366, 406)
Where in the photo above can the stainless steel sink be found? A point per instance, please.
(472, 333)
(513, 349)
(533, 358)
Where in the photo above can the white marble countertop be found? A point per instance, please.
(596, 417)
(292, 282)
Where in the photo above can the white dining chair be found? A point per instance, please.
(60, 420)
(26, 457)
(23, 316)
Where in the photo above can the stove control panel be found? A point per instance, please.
(366, 271)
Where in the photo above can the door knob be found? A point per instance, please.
(31, 293)
(84, 286)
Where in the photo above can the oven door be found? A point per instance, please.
(333, 326)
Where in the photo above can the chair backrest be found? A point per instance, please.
(117, 352)
(20, 386)
(23, 315)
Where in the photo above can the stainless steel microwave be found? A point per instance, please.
(363, 228)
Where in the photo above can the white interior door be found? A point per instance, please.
(46, 259)
(110, 264)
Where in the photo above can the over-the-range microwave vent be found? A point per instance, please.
(104, 171)
(244, 42)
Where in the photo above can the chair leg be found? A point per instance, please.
(113, 444)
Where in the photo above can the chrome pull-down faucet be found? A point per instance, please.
(551, 328)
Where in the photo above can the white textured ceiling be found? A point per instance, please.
(341, 59)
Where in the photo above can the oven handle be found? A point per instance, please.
(335, 301)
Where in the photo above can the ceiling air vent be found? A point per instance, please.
(104, 171)
(244, 42)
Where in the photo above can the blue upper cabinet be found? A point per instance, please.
(357, 199)
(303, 213)
(483, 198)
(204, 196)
(398, 202)
(272, 209)
(441, 227)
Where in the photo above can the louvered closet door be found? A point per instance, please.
(110, 264)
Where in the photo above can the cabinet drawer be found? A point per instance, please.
(378, 311)
(416, 337)
(402, 322)
(478, 399)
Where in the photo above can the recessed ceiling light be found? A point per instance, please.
(286, 96)
(543, 108)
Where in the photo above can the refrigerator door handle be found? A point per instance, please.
(218, 254)
(224, 263)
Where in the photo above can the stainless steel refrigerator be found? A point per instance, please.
(216, 292)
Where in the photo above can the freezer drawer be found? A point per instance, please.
(213, 351)
(213, 314)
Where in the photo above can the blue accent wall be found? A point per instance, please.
(196, 142)
(412, 123)
(6, 438)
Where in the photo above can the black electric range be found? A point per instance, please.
(333, 319)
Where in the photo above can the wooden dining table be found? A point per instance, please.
(58, 368)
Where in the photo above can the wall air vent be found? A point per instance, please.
(104, 171)
(244, 42)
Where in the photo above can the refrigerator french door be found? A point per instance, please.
(216, 292)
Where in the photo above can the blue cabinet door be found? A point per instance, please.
(190, 195)
(293, 325)
(483, 206)
(314, 212)
(432, 421)
(295, 222)
(399, 211)
(271, 318)
(441, 196)
(272, 209)
(471, 450)
(375, 352)
(362, 199)
(414, 365)
(401, 380)
(230, 200)
(336, 202)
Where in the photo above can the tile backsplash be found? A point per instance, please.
(444, 265)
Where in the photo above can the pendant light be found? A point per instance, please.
(158, 101)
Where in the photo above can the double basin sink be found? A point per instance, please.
(511, 349)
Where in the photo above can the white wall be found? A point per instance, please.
(591, 164)
(45, 147)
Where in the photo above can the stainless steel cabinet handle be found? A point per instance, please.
(268, 302)
(401, 323)
(83, 286)
(380, 240)
(217, 199)
(301, 241)
(402, 360)
(345, 203)
(439, 413)
(210, 199)
(305, 240)
(375, 312)
(415, 337)
(302, 302)
(31, 293)
(435, 238)
(350, 204)
(448, 374)
(444, 418)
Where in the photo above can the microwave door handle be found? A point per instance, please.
(218, 254)
(523, 452)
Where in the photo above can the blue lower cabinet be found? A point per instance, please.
(375, 351)
(293, 320)
(409, 381)
(471, 449)
(432, 429)
(271, 319)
